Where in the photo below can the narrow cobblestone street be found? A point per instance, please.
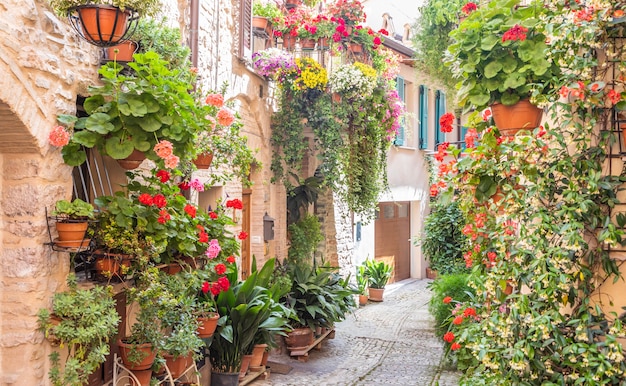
(388, 343)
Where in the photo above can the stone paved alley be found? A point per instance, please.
(388, 343)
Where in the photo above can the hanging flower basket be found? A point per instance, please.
(103, 25)
(521, 116)
(132, 161)
(203, 161)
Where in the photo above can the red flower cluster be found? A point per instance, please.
(213, 215)
(163, 216)
(190, 210)
(230, 259)
(469, 8)
(222, 284)
(470, 138)
(447, 300)
(163, 175)
(517, 32)
(448, 337)
(158, 200)
(220, 269)
(242, 235)
(445, 122)
(234, 203)
(614, 96)
(203, 237)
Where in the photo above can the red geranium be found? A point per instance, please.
(517, 32)
(220, 269)
(213, 215)
(242, 235)
(448, 337)
(223, 283)
(469, 8)
(146, 199)
(445, 122)
(231, 259)
(163, 175)
(159, 200)
(190, 210)
(455, 346)
(447, 299)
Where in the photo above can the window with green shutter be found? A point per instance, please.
(440, 109)
(423, 117)
(400, 137)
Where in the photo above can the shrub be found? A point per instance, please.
(443, 243)
(456, 287)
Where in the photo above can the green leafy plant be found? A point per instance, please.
(82, 321)
(268, 9)
(378, 273)
(318, 297)
(143, 7)
(456, 287)
(243, 309)
(73, 210)
(499, 55)
(361, 279)
(443, 242)
(437, 18)
(166, 41)
(304, 236)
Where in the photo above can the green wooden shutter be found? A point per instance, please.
(400, 137)
(463, 133)
(423, 116)
(440, 109)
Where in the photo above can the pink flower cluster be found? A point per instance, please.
(59, 136)
(165, 150)
(214, 249)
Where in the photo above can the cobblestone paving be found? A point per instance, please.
(388, 343)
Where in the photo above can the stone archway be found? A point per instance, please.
(43, 66)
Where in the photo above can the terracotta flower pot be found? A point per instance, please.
(102, 23)
(362, 300)
(143, 376)
(207, 326)
(299, 338)
(122, 52)
(177, 366)
(245, 364)
(147, 353)
(133, 160)
(307, 44)
(511, 119)
(257, 355)
(260, 23)
(72, 232)
(376, 294)
(289, 42)
(203, 160)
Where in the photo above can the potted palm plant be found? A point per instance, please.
(378, 274)
(361, 283)
(499, 56)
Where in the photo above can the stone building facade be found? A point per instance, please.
(44, 67)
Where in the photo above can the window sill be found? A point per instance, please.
(404, 147)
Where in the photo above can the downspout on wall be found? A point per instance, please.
(194, 10)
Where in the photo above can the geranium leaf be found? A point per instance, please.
(492, 69)
(99, 123)
(86, 138)
(73, 154)
(118, 150)
(92, 103)
(150, 124)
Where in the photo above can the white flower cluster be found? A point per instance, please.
(350, 82)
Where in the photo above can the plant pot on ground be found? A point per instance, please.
(378, 274)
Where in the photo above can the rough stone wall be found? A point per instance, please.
(43, 66)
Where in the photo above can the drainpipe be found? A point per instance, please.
(194, 10)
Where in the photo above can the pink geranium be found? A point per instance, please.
(225, 117)
(216, 100)
(59, 136)
(214, 249)
(163, 149)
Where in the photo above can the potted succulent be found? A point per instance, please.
(378, 274)
(82, 321)
(499, 56)
(104, 22)
(72, 221)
